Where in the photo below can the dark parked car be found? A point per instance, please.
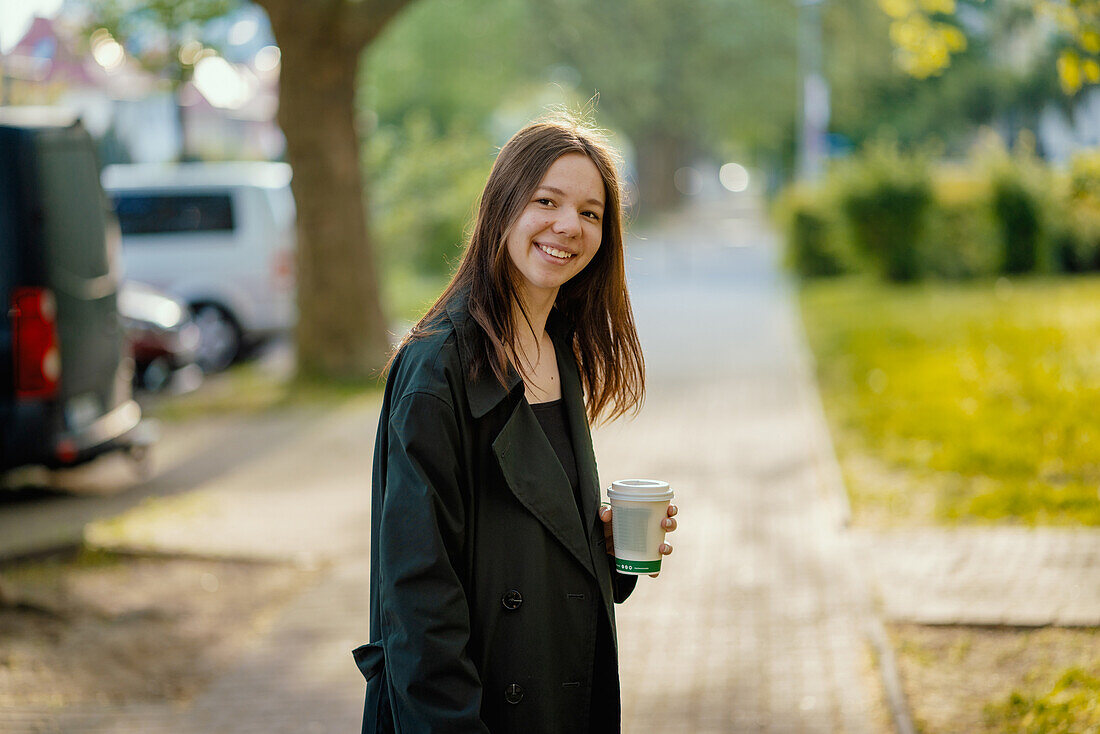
(65, 377)
(163, 338)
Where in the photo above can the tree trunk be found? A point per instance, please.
(341, 331)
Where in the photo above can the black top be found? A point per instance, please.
(554, 420)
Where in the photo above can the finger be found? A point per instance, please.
(609, 543)
(669, 524)
(665, 549)
(605, 514)
(672, 510)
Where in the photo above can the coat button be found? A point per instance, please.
(511, 600)
(513, 694)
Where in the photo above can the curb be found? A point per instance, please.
(833, 480)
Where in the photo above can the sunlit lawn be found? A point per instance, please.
(962, 402)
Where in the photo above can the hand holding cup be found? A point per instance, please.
(640, 514)
(669, 524)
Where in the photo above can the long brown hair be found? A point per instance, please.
(605, 343)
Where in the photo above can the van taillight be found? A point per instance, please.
(34, 343)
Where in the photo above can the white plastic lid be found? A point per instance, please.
(640, 490)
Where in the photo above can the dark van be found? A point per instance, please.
(65, 377)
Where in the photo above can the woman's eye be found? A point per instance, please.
(544, 202)
(593, 216)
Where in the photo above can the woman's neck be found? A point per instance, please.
(537, 307)
(530, 332)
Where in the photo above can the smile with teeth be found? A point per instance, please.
(554, 252)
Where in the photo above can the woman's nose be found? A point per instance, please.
(567, 223)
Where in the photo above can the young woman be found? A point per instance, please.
(492, 592)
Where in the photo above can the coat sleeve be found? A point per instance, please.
(621, 584)
(433, 684)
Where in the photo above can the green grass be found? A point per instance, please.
(248, 389)
(47, 569)
(1071, 705)
(963, 402)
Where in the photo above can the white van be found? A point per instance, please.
(221, 237)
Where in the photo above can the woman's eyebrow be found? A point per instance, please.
(559, 192)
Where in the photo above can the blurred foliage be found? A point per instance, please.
(425, 189)
(166, 37)
(979, 401)
(926, 35)
(1072, 705)
(1020, 186)
(961, 237)
(448, 80)
(455, 61)
(885, 196)
(410, 293)
(1077, 229)
(1079, 61)
(1005, 77)
(154, 31)
(431, 92)
(1001, 211)
(710, 72)
(1018, 214)
(814, 247)
(923, 41)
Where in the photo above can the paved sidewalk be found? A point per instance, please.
(1011, 576)
(759, 623)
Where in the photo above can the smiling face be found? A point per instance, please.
(560, 228)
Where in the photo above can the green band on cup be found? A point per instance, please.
(626, 566)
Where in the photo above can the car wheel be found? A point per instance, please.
(219, 338)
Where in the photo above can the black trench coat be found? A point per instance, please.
(485, 583)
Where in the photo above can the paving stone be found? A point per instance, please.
(986, 576)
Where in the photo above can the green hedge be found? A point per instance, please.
(814, 247)
(961, 239)
(904, 218)
(885, 198)
(1077, 235)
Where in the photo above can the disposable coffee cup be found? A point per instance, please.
(637, 508)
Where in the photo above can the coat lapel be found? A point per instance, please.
(536, 478)
(572, 391)
(527, 460)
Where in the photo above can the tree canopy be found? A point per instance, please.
(928, 33)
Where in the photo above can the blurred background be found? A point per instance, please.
(217, 216)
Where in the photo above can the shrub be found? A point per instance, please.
(885, 198)
(813, 246)
(1019, 199)
(1077, 238)
(1018, 214)
(961, 235)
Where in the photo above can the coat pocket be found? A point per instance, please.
(370, 659)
